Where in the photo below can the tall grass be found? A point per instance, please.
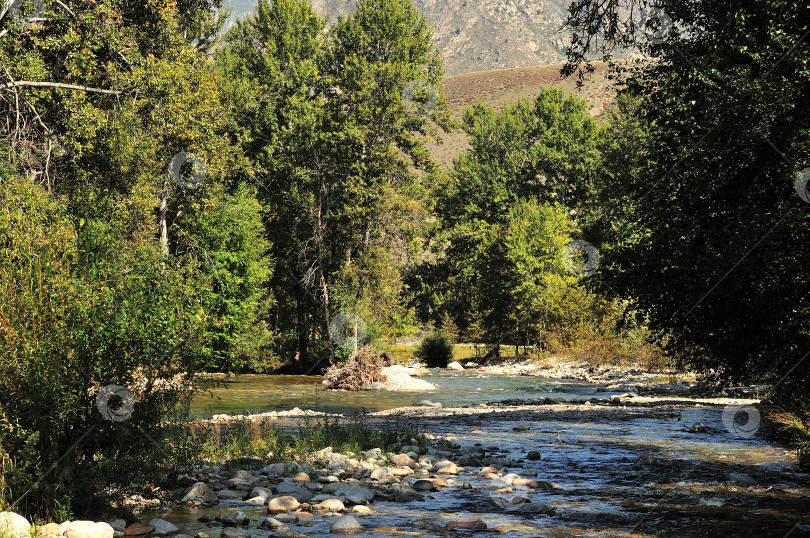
(262, 439)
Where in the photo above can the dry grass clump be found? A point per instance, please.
(359, 371)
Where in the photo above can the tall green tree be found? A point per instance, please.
(113, 270)
(323, 116)
(710, 231)
(536, 153)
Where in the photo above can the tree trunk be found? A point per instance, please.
(164, 229)
(303, 333)
(321, 249)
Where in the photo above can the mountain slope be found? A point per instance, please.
(478, 35)
(498, 87)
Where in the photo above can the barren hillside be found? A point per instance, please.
(497, 87)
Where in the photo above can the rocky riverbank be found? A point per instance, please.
(603, 463)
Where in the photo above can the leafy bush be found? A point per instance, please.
(82, 310)
(435, 350)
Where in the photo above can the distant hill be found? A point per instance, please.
(498, 87)
(493, 53)
(478, 35)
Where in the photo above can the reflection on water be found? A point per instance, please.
(260, 393)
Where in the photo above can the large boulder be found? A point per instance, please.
(455, 366)
(14, 525)
(354, 494)
(162, 527)
(398, 378)
(88, 529)
(285, 503)
(200, 492)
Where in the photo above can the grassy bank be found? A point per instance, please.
(593, 349)
(405, 353)
(792, 430)
(262, 438)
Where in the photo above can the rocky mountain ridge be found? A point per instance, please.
(478, 35)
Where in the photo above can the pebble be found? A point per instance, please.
(200, 492)
(533, 455)
(271, 523)
(333, 505)
(446, 467)
(139, 529)
(116, 524)
(423, 485)
(233, 532)
(354, 494)
(403, 460)
(288, 533)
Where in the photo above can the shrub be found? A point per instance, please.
(81, 310)
(435, 350)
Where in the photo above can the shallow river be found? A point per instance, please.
(616, 470)
(259, 393)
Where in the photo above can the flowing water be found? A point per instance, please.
(615, 470)
(259, 393)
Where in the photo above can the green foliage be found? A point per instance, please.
(322, 118)
(706, 228)
(436, 350)
(83, 310)
(547, 149)
(226, 238)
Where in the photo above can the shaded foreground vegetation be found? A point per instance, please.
(176, 200)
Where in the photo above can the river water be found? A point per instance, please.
(244, 394)
(616, 470)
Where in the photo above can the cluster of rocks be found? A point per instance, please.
(335, 485)
(633, 381)
(16, 526)
(294, 412)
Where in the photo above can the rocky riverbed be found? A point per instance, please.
(610, 459)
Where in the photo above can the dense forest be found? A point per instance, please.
(177, 199)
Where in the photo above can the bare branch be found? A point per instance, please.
(34, 84)
(63, 6)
